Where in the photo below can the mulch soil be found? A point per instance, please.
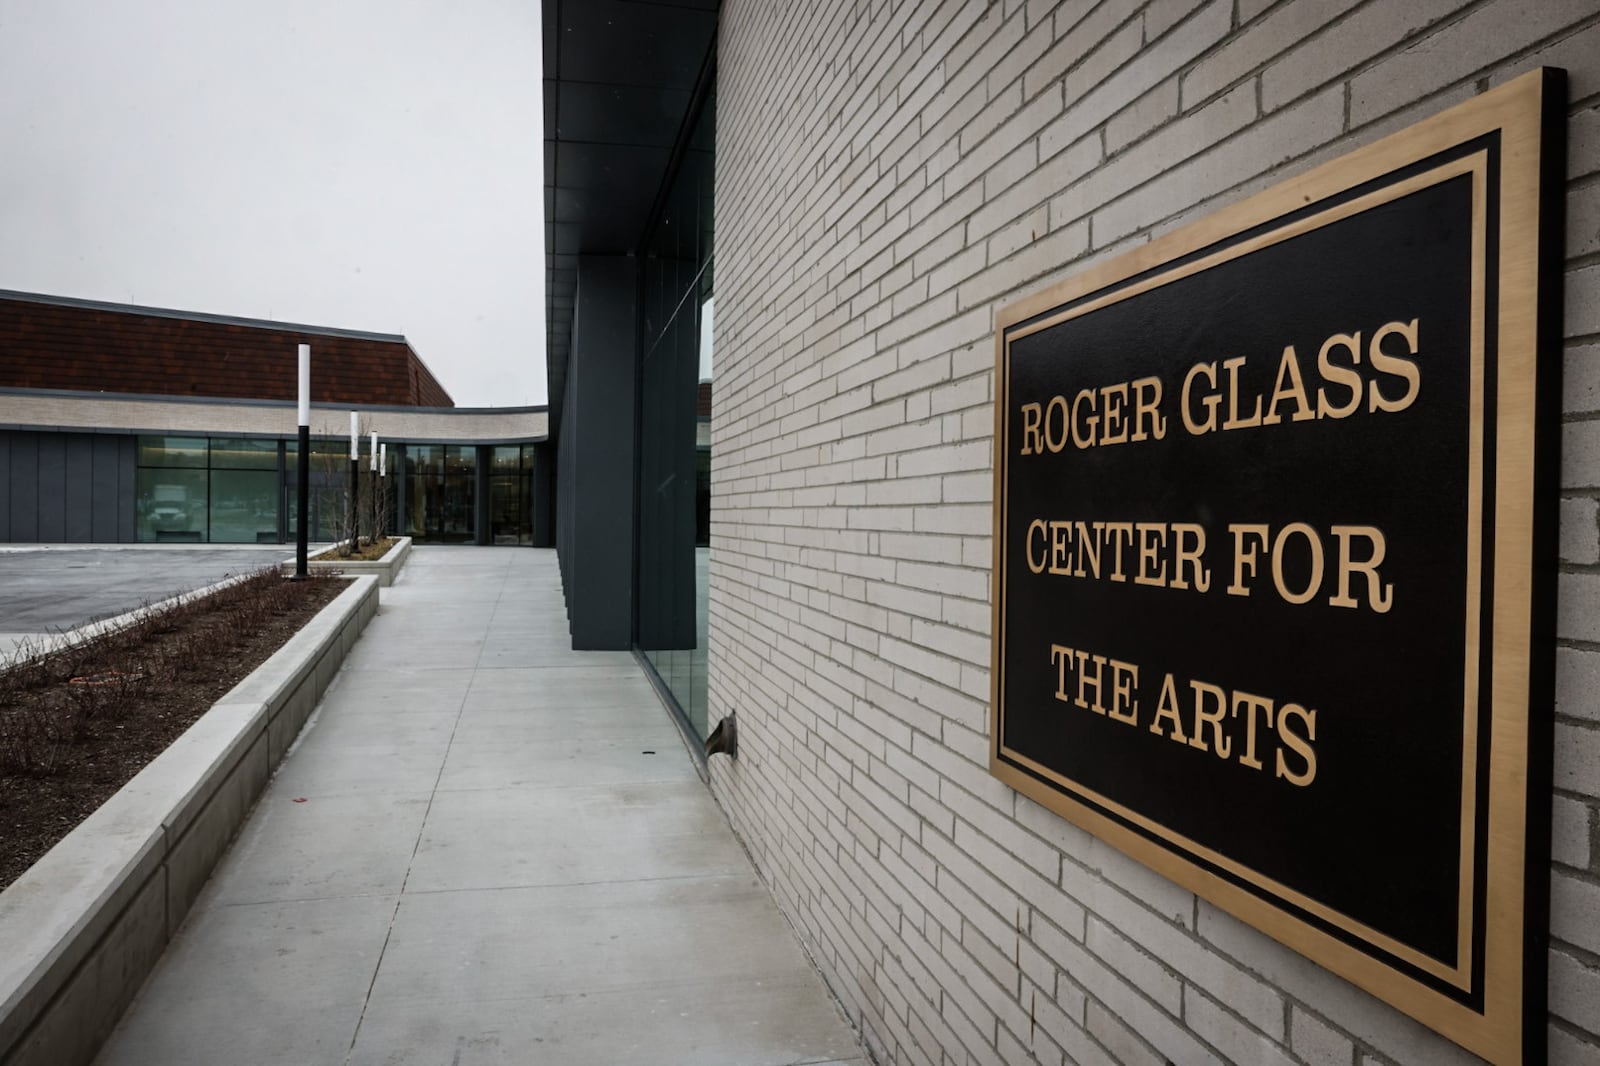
(78, 724)
(368, 552)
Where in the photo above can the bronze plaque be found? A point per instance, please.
(1274, 559)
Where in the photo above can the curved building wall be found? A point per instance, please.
(89, 468)
(41, 409)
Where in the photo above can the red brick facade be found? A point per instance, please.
(102, 348)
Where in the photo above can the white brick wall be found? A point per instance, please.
(890, 172)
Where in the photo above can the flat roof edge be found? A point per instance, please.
(203, 316)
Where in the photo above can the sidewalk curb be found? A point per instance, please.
(84, 925)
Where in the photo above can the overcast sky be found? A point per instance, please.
(363, 164)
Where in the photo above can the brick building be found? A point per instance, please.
(887, 177)
(48, 343)
(124, 424)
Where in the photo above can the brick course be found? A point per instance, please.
(889, 173)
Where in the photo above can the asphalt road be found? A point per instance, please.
(45, 591)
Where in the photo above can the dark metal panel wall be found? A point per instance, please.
(79, 488)
(397, 471)
(52, 487)
(567, 461)
(106, 487)
(483, 516)
(69, 488)
(5, 484)
(544, 500)
(24, 488)
(127, 473)
(600, 421)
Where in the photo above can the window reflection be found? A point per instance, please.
(511, 494)
(328, 488)
(199, 489)
(441, 492)
(171, 504)
(675, 379)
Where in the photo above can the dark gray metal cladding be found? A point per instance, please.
(619, 80)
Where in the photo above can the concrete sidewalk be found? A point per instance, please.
(487, 848)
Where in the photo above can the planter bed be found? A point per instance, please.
(83, 927)
(385, 569)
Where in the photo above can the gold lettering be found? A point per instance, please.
(1212, 718)
(1385, 363)
(1118, 531)
(1316, 562)
(1289, 367)
(1086, 551)
(1340, 375)
(1146, 411)
(1167, 710)
(1243, 559)
(1234, 421)
(1112, 400)
(1061, 656)
(1097, 682)
(1031, 442)
(1152, 541)
(1037, 523)
(1209, 402)
(1060, 533)
(1251, 704)
(1124, 705)
(1380, 595)
(1190, 556)
(1080, 439)
(1300, 744)
(1051, 440)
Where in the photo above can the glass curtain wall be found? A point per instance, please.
(171, 487)
(511, 494)
(675, 390)
(328, 489)
(244, 491)
(441, 492)
(207, 490)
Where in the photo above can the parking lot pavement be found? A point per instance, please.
(51, 589)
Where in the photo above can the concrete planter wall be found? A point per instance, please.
(386, 568)
(84, 926)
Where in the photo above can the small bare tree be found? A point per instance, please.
(377, 497)
(331, 468)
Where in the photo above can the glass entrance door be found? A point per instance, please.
(511, 495)
(441, 487)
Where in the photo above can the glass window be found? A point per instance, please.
(244, 506)
(242, 454)
(171, 504)
(675, 380)
(441, 492)
(511, 494)
(203, 489)
(328, 492)
(424, 459)
(507, 459)
(172, 451)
